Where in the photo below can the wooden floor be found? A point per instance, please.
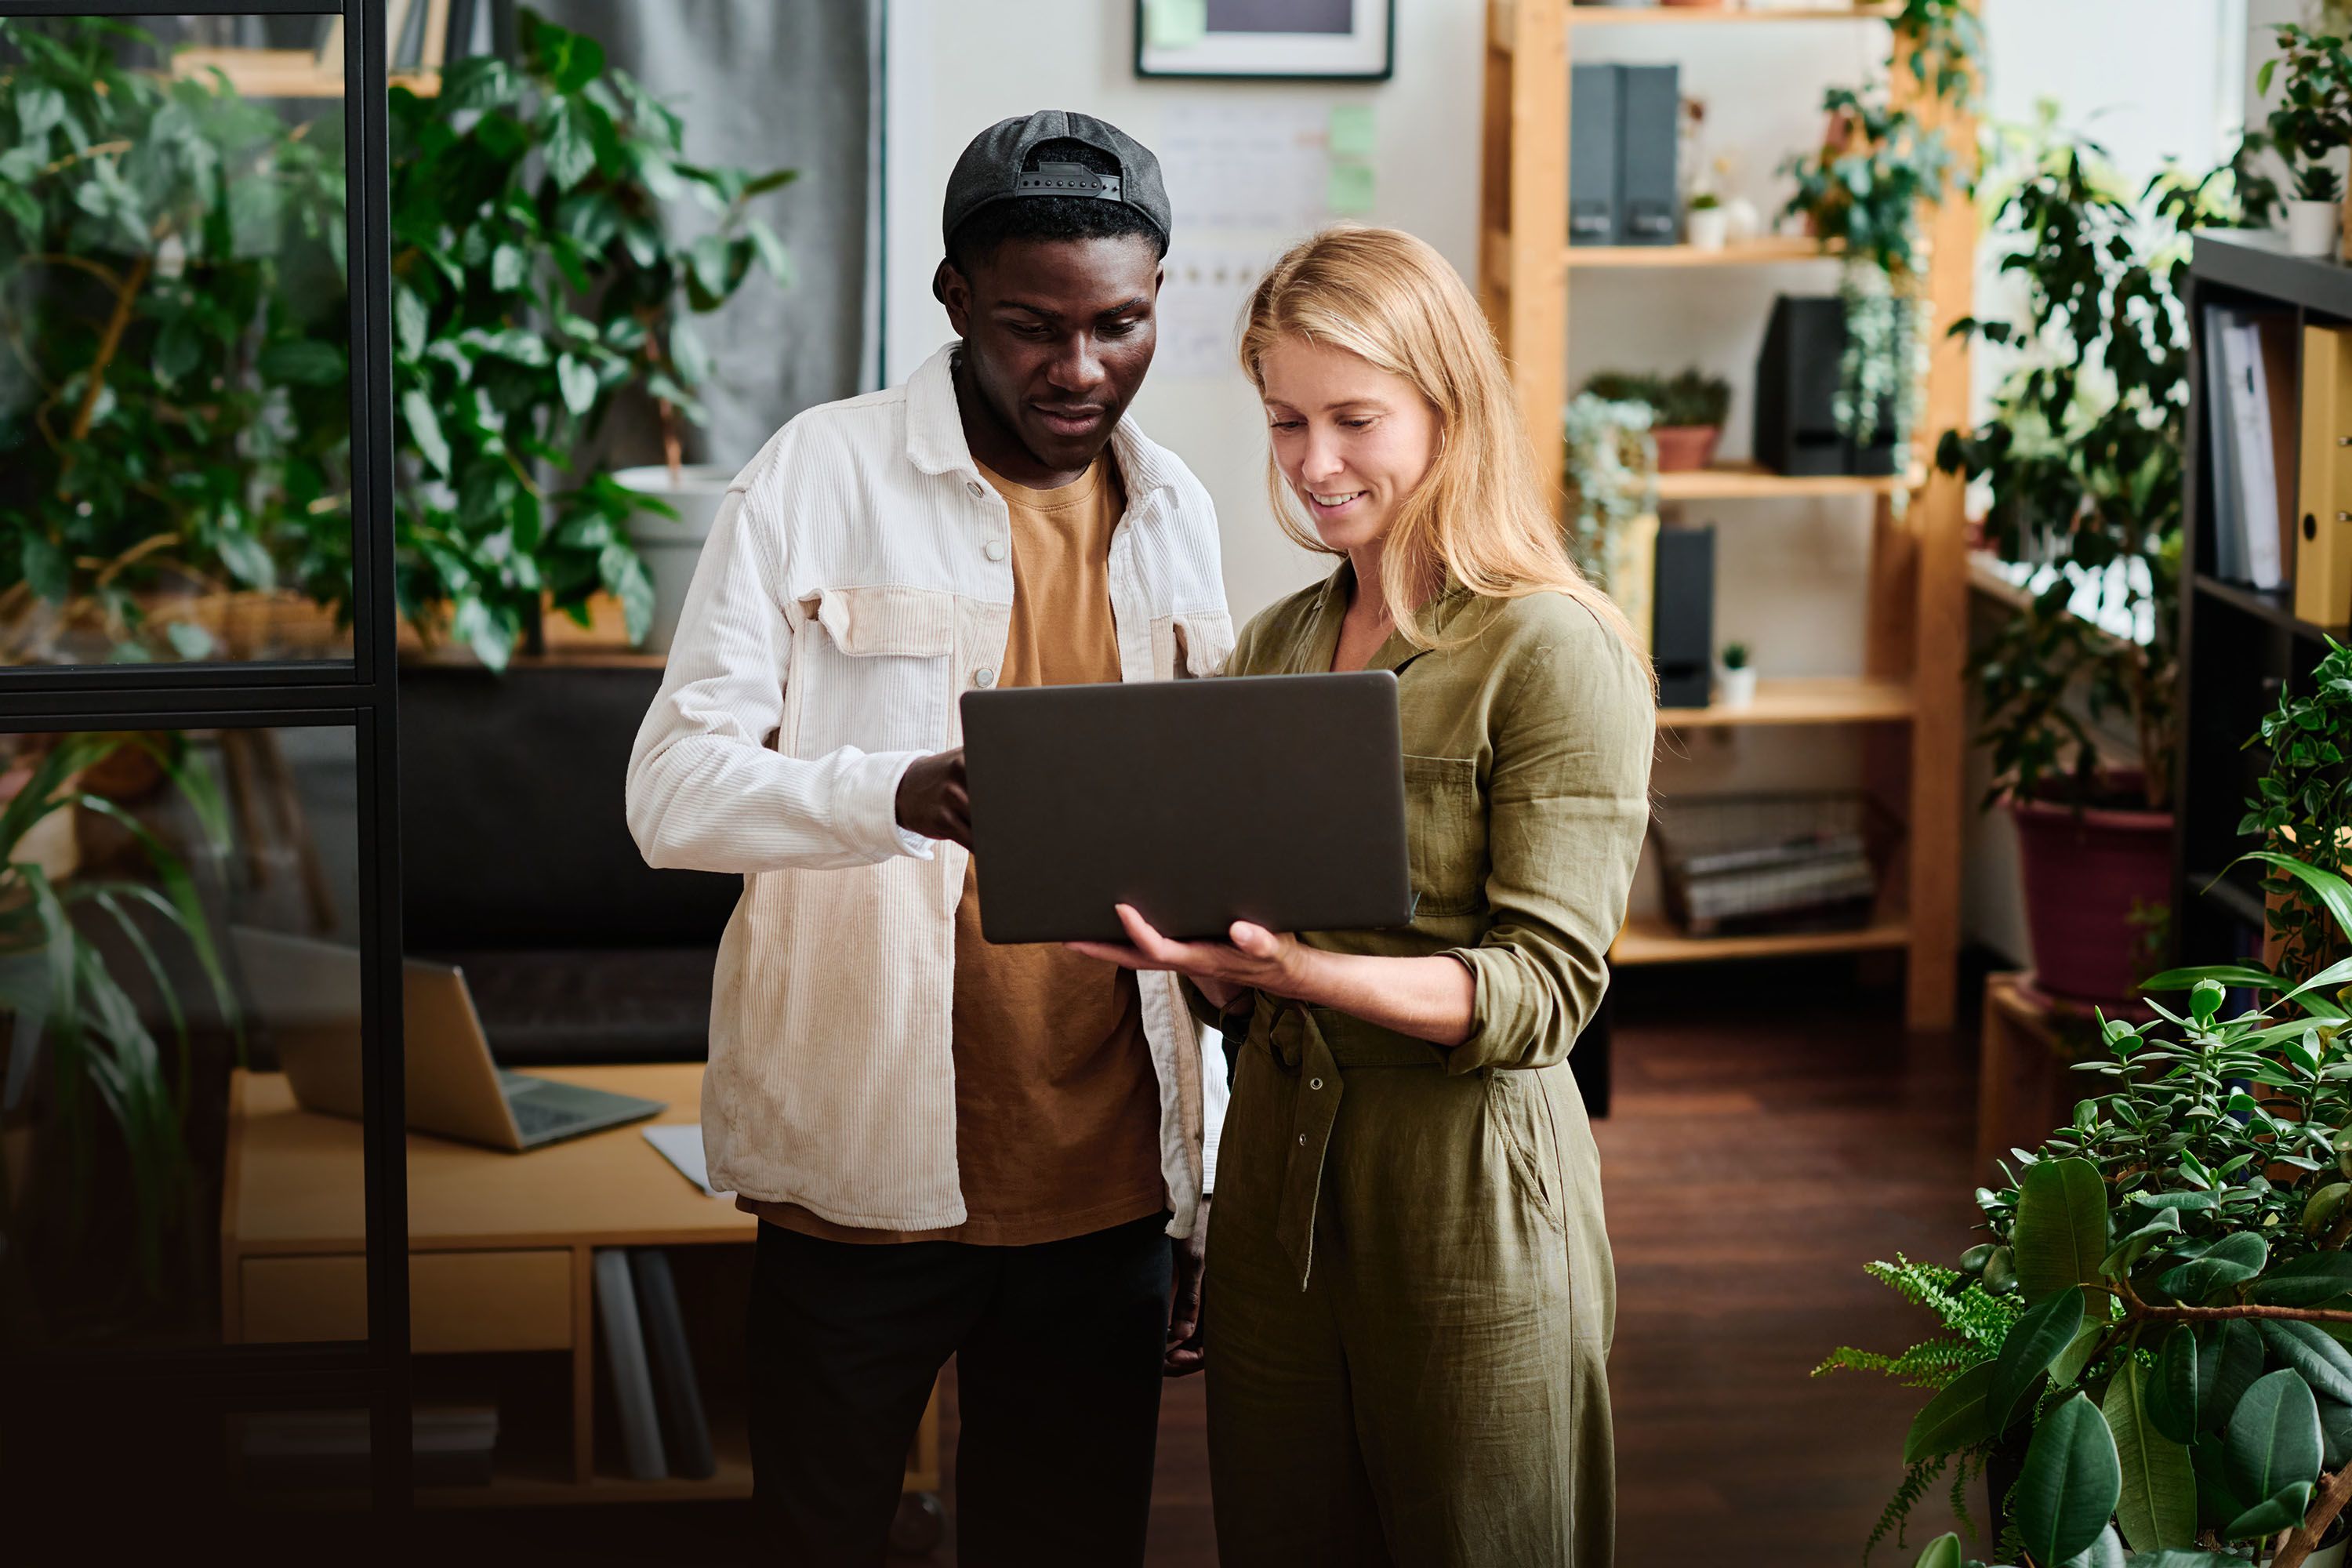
(1773, 1131)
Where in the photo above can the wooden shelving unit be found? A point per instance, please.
(1651, 940)
(1746, 481)
(286, 73)
(319, 73)
(1778, 249)
(1637, 16)
(1825, 699)
(1909, 690)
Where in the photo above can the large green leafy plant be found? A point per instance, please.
(2303, 804)
(2080, 463)
(534, 282)
(173, 391)
(77, 1033)
(2175, 1368)
(173, 412)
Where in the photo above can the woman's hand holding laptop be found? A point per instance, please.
(1255, 959)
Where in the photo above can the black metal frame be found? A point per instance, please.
(359, 694)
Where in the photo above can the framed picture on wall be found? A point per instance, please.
(1272, 40)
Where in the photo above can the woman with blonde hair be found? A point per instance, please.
(1411, 1297)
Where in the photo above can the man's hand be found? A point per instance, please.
(1255, 959)
(931, 799)
(1185, 1354)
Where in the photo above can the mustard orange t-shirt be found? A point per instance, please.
(1058, 1105)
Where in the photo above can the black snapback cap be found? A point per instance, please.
(991, 169)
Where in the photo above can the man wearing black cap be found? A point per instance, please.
(955, 1149)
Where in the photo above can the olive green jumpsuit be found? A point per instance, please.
(1410, 1297)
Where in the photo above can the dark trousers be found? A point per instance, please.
(1057, 1351)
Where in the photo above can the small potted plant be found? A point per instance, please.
(2312, 122)
(1735, 681)
(1687, 412)
(1611, 476)
(1706, 225)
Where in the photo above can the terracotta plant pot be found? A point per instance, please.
(2085, 873)
(1682, 448)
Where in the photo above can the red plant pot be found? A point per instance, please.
(1682, 448)
(2085, 873)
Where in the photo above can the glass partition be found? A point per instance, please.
(180, 1021)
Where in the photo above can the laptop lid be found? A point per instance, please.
(307, 993)
(1277, 799)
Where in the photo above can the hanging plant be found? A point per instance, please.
(1611, 478)
(1862, 189)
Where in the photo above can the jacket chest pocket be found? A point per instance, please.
(1445, 826)
(873, 668)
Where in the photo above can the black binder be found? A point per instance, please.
(1650, 100)
(1682, 617)
(1592, 198)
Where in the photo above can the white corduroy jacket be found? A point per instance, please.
(856, 581)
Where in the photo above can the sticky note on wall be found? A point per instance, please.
(1351, 131)
(1349, 191)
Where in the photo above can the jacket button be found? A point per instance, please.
(975, 487)
(1315, 1083)
(994, 550)
(983, 678)
(1302, 1139)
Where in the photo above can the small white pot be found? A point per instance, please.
(1734, 688)
(1708, 228)
(2311, 228)
(672, 548)
(1741, 220)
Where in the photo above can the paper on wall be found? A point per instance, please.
(1201, 307)
(1230, 164)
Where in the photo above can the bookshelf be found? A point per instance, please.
(2240, 647)
(1908, 695)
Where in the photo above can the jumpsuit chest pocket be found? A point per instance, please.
(875, 670)
(1446, 830)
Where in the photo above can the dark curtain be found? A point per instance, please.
(761, 84)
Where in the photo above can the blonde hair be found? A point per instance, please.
(1481, 512)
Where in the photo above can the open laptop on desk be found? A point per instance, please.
(308, 994)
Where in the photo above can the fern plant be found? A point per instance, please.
(1975, 1323)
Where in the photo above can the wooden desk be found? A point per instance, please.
(500, 1254)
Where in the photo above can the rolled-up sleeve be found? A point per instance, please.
(1567, 802)
(705, 791)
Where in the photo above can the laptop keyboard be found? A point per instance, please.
(545, 1108)
(532, 1119)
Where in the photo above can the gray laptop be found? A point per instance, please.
(307, 995)
(1277, 799)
